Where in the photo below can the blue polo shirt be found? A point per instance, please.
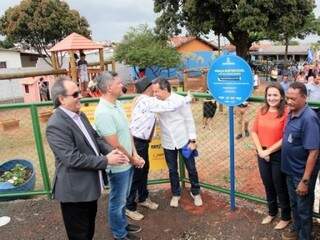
(301, 134)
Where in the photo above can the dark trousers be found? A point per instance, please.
(172, 163)
(302, 206)
(140, 176)
(275, 185)
(79, 219)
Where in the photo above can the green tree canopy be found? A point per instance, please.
(6, 43)
(40, 24)
(141, 47)
(293, 19)
(242, 22)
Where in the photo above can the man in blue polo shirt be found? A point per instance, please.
(300, 149)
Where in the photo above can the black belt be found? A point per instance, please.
(140, 139)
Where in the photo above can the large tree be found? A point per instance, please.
(242, 22)
(40, 24)
(141, 47)
(293, 19)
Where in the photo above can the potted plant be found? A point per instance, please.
(16, 175)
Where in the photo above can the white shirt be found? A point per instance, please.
(143, 116)
(313, 92)
(177, 126)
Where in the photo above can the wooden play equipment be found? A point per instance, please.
(73, 43)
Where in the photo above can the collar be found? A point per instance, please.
(297, 115)
(71, 114)
(108, 104)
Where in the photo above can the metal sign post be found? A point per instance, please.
(230, 82)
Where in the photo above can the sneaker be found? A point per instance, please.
(149, 204)
(129, 236)
(289, 235)
(239, 136)
(197, 199)
(4, 220)
(134, 215)
(174, 201)
(282, 225)
(268, 219)
(246, 133)
(133, 228)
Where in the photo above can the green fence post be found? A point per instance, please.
(40, 150)
(182, 170)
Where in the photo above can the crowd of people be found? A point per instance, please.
(285, 131)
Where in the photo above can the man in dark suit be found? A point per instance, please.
(79, 155)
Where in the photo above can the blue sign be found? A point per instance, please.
(230, 80)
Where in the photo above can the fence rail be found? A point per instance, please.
(28, 141)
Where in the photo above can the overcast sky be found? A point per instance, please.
(111, 19)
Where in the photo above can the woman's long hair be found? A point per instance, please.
(282, 105)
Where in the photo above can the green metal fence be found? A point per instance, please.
(28, 141)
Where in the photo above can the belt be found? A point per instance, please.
(140, 139)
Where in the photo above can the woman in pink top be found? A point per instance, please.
(267, 136)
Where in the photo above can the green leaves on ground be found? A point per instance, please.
(16, 176)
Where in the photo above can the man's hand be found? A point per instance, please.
(192, 145)
(115, 157)
(302, 189)
(138, 161)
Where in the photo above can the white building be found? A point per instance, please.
(13, 61)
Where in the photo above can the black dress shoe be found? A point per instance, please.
(133, 228)
(129, 236)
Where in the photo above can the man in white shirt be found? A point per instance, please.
(177, 131)
(313, 89)
(143, 120)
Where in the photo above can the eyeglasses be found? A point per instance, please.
(74, 95)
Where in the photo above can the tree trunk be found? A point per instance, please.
(286, 52)
(242, 44)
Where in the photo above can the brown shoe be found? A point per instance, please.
(282, 225)
(289, 235)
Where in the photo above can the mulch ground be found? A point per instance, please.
(41, 219)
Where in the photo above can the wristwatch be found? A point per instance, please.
(305, 182)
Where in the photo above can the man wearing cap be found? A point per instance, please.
(143, 120)
(177, 132)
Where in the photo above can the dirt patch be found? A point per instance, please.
(41, 219)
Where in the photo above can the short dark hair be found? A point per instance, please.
(301, 86)
(58, 89)
(164, 84)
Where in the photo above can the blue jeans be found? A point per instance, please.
(172, 163)
(120, 184)
(302, 206)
